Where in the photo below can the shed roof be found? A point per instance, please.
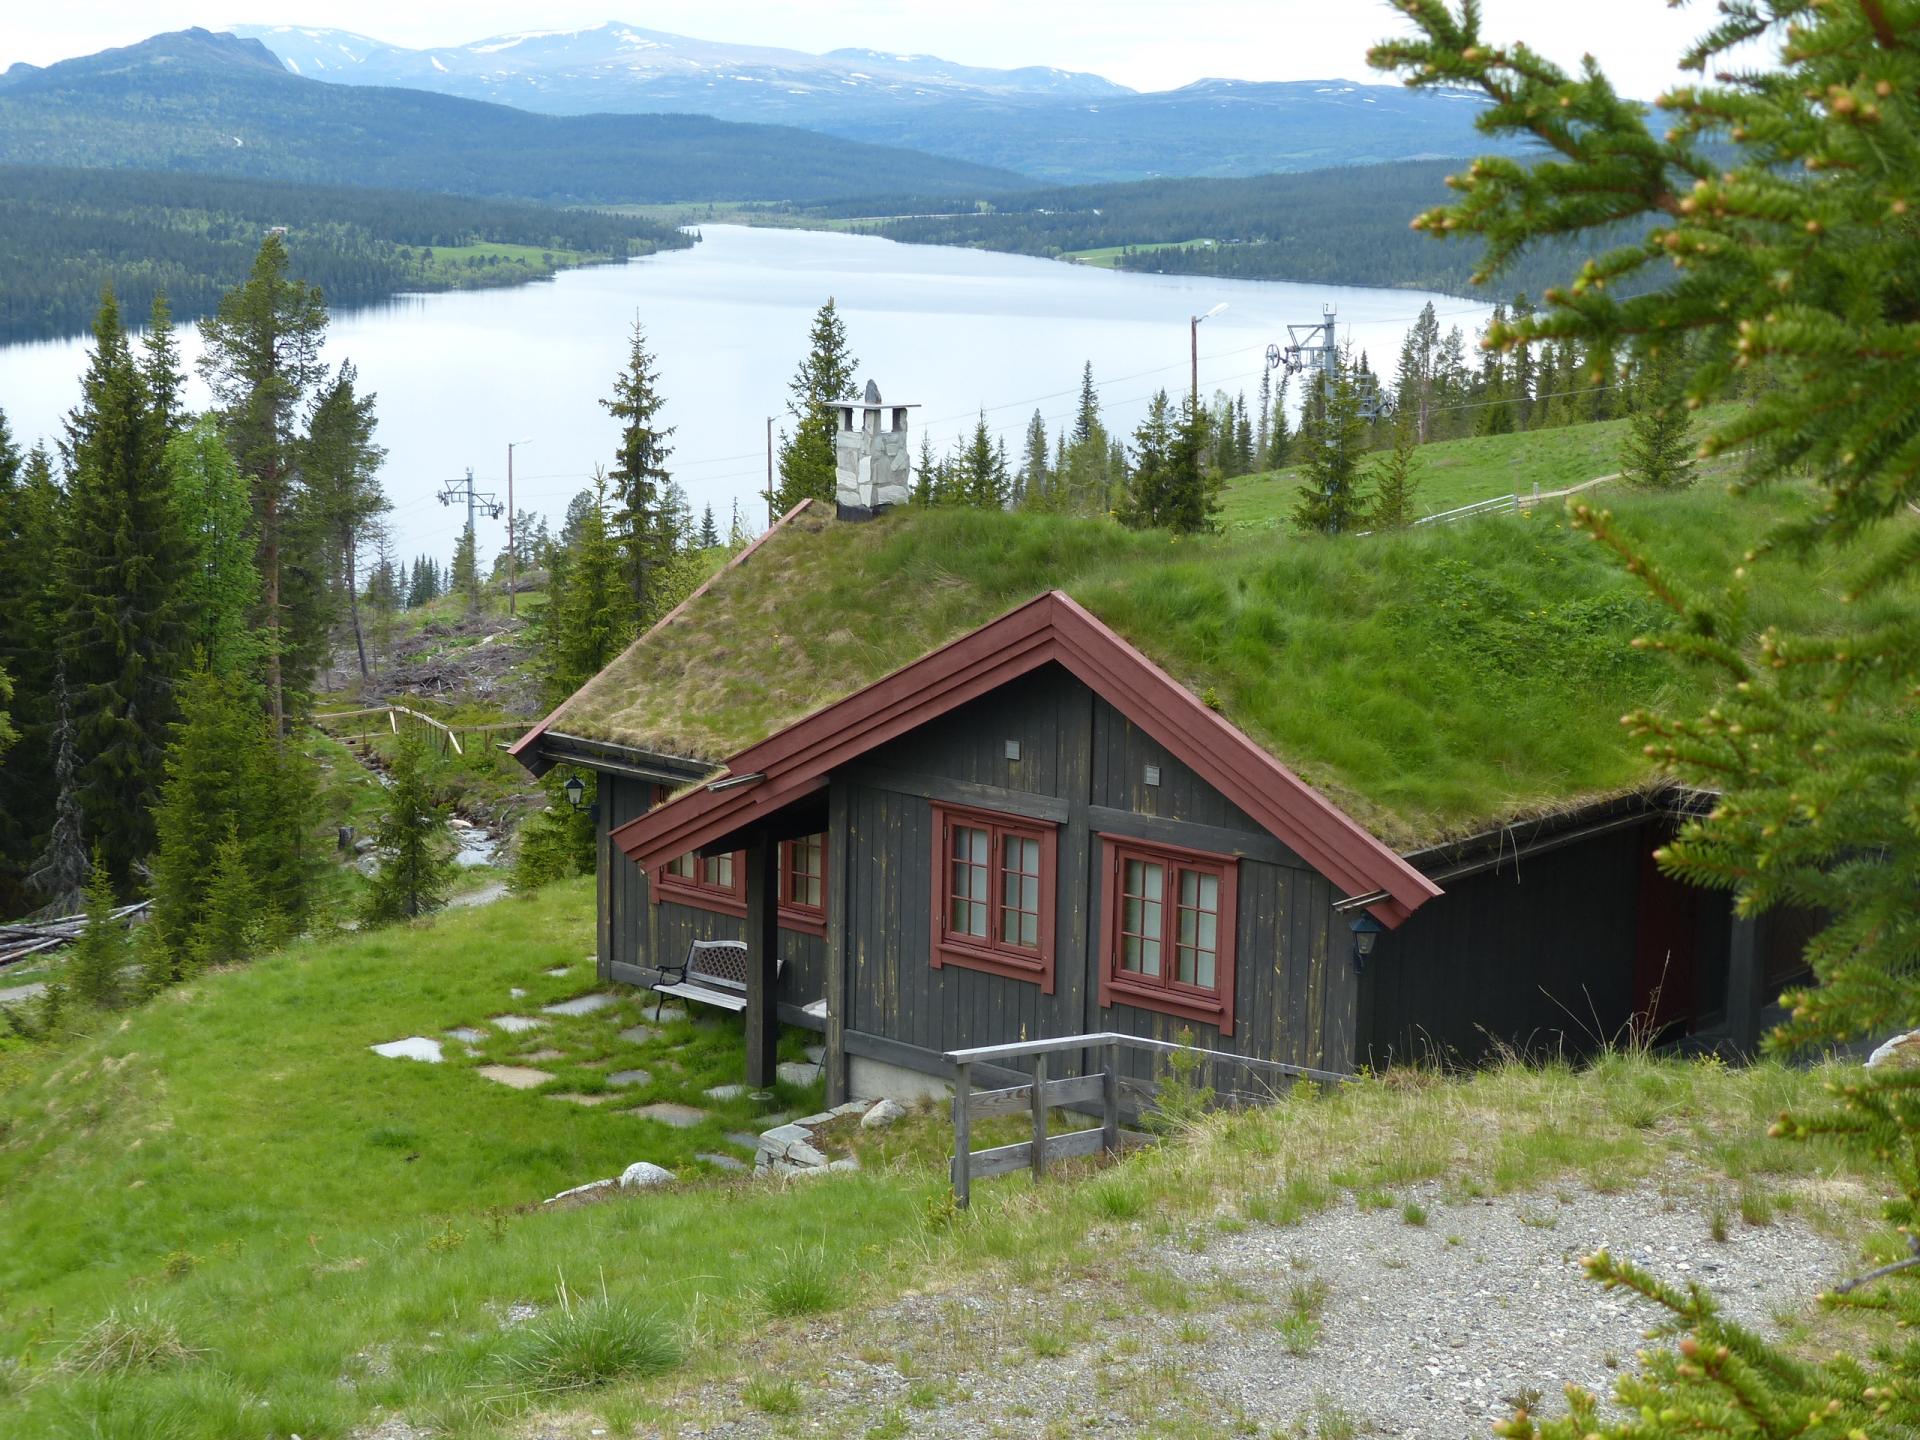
(1429, 683)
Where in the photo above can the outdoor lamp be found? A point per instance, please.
(576, 789)
(1366, 930)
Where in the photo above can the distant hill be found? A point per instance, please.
(1058, 125)
(216, 103)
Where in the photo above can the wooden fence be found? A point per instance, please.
(1102, 1088)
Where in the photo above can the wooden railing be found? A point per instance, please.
(1102, 1087)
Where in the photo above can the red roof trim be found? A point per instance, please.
(796, 761)
(667, 619)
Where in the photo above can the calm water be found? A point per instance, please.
(460, 375)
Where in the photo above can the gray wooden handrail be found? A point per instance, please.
(1040, 1094)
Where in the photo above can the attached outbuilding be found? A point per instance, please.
(980, 778)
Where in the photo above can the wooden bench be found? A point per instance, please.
(714, 973)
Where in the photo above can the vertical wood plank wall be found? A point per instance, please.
(639, 933)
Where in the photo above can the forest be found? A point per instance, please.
(64, 233)
(1345, 226)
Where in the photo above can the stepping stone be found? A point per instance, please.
(817, 1053)
(638, 1034)
(559, 970)
(579, 1099)
(466, 1034)
(414, 1047)
(540, 1057)
(515, 1077)
(517, 993)
(720, 1162)
(630, 1077)
(726, 1092)
(668, 1112)
(515, 1024)
(794, 1072)
(743, 1140)
(579, 1005)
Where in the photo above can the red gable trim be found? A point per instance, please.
(797, 760)
(519, 746)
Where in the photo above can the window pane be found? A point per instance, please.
(1209, 931)
(1130, 953)
(681, 865)
(1183, 964)
(1204, 976)
(1150, 957)
(1210, 893)
(1030, 930)
(1130, 917)
(720, 871)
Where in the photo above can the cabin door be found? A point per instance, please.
(1666, 960)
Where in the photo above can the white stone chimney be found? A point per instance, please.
(873, 468)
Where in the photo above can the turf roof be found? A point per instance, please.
(1430, 683)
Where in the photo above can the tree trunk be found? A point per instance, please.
(353, 609)
(270, 576)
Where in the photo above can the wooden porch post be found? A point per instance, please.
(763, 950)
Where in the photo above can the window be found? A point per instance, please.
(719, 882)
(1170, 917)
(993, 878)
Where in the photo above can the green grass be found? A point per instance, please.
(220, 1215)
(489, 262)
(1429, 681)
(1452, 473)
(1106, 256)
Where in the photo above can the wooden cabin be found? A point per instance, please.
(958, 833)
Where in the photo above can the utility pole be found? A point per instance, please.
(513, 550)
(769, 469)
(1193, 334)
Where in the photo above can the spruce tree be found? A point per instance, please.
(585, 623)
(7, 733)
(465, 573)
(30, 505)
(982, 481)
(1657, 453)
(413, 841)
(61, 870)
(1331, 440)
(1264, 426)
(262, 362)
(639, 520)
(826, 375)
(122, 626)
(1034, 483)
(101, 953)
(1394, 485)
(341, 469)
(1086, 415)
(160, 367)
(709, 535)
(1777, 203)
(1170, 484)
(236, 918)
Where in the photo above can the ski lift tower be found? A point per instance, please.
(1313, 348)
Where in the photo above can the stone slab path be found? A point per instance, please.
(516, 1024)
(515, 1077)
(579, 1005)
(414, 1047)
(667, 1112)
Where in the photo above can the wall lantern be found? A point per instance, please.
(576, 790)
(1366, 930)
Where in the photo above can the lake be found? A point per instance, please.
(957, 331)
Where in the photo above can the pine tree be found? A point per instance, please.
(1086, 417)
(1262, 436)
(1787, 258)
(826, 375)
(981, 471)
(101, 953)
(1169, 485)
(30, 504)
(709, 535)
(1280, 438)
(639, 521)
(236, 918)
(221, 587)
(122, 624)
(1329, 451)
(586, 622)
(262, 363)
(1658, 451)
(160, 367)
(341, 470)
(413, 841)
(1394, 485)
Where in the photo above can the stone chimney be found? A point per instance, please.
(873, 468)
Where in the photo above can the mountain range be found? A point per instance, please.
(220, 104)
(1050, 124)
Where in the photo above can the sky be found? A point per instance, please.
(1147, 44)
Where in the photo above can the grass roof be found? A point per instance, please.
(1429, 682)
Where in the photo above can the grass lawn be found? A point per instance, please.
(1452, 473)
(222, 1215)
(490, 262)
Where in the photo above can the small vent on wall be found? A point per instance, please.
(1152, 775)
(1013, 749)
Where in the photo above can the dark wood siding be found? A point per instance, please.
(645, 935)
(1538, 955)
(1082, 765)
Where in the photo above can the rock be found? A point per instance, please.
(721, 1162)
(626, 1078)
(638, 1034)
(414, 1047)
(1902, 1052)
(644, 1175)
(796, 1072)
(725, 1092)
(586, 1189)
(804, 1154)
(667, 1112)
(516, 1024)
(466, 1035)
(817, 1054)
(579, 1005)
(514, 1077)
(848, 1162)
(882, 1115)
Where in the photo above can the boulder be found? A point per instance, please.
(1902, 1052)
(882, 1115)
(644, 1175)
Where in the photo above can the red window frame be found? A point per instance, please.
(1166, 992)
(991, 952)
(797, 910)
(703, 890)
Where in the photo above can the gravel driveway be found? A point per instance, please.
(1351, 1323)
